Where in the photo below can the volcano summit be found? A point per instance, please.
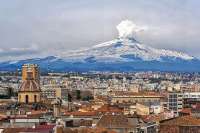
(123, 54)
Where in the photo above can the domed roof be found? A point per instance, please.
(29, 86)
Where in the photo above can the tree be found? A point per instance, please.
(10, 92)
(87, 98)
(69, 98)
(78, 94)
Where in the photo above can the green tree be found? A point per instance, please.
(10, 92)
(87, 98)
(78, 94)
(69, 98)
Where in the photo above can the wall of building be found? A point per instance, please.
(142, 109)
(168, 129)
(31, 97)
(34, 69)
(116, 99)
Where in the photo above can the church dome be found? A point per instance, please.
(29, 86)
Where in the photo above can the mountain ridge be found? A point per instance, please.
(121, 55)
(118, 48)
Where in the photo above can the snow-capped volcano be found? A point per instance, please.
(125, 49)
(123, 54)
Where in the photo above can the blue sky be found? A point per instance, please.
(38, 28)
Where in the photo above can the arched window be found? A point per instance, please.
(35, 98)
(26, 99)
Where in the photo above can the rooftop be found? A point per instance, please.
(182, 121)
(114, 121)
(137, 94)
(37, 129)
(29, 86)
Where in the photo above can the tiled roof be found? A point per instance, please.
(2, 116)
(107, 108)
(181, 121)
(114, 121)
(41, 128)
(29, 86)
(13, 130)
(78, 113)
(37, 129)
(154, 117)
(123, 93)
(88, 130)
(186, 110)
(102, 110)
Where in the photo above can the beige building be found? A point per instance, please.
(29, 90)
(30, 70)
(134, 87)
(142, 109)
(130, 110)
(131, 97)
(53, 91)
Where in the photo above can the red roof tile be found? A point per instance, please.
(180, 121)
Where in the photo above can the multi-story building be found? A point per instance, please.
(192, 87)
(49, 91)
(62, 93)
(131, 97)
(175, 102)
(99, 91)
(148, 108)
(4, 90)
(191, 98)
(54, 91)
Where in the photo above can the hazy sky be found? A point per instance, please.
(37, 28)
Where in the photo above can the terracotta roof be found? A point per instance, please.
(13, 130)
(181, 121)
(111, 109)
(34, 112)
(114, 121)
(124, 93)
(78, 113)
(41, 129)
(29, 86)
(154, 117)
(186, 110)
(88, 130)
(96, 130)
(37, 129)
(2, 116)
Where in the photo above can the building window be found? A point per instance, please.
(35, 98)
(26, 99)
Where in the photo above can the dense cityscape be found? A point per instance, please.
(99, 66)
(99, 102)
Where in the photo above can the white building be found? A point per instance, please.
(175, 102)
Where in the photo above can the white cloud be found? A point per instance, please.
(58, 26)
(19, 52)
(31, 48)
(127, 29)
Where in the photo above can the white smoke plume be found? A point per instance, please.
(127, 29)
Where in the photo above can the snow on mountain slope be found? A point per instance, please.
(120, 49)
(123, 54)
(125, 48)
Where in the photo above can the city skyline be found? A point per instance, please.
(43, 28)
(107, 66)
